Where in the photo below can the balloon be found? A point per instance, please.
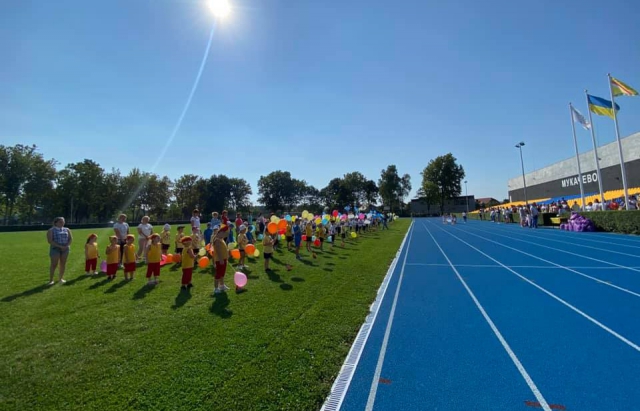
(231, 246)
(294, 218)
(304, 237)
(274, 219)
(313, 238)
(260, 237)
(318, 220)
(272, 228)
(103, 266)
(256, 253)
(282, 225)
(249, 249)
(177, 258)
(317, 242)
(329, 239)
(282, 236)
(207, 247)
(235, 254)
(335, 213)
(343, 217)
(351, 216)
(240, 279)
(361, 216)
(203, 262)
(287, 218)
(354, 235)
(324, 221)
(304, 213)
(252, 228)
(202, 252)
(170, 258)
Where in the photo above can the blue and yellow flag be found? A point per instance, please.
(601, 106)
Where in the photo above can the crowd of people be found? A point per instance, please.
(221, 241)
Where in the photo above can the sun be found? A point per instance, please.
(220, 8)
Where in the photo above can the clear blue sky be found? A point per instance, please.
(319, 88)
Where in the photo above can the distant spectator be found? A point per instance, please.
(121, 229)
(144, 233)
(59, 238)
(195, 221)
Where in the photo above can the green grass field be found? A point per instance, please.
(96, 345)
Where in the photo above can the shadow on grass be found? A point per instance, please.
(219, 306)
(297, 279)
(307, 262)
(253, 277)
(181, 299)
(115, 286)
(27, 293)
(342, 257)
(286, 287)
(328, 270)
(100, 283)
(75, 280)
(330, 263)
(175, 267)
(273, 276)
(143, 291)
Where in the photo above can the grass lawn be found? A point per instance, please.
(94, 344)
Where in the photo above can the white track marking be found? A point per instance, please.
(555, 297)
(523, 372)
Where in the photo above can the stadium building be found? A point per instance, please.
(561, 179)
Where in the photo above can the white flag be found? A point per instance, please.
(579, 118)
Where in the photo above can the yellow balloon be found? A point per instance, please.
(231, 246)
(318, 220)
(282, 236)
(353, 235)
(256, 253)
(294, 218)
(274, 219)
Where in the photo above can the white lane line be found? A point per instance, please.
(385, 341)
(578, 237)
(343, 380)
(598, 280)
(577, 244)
(563, 251)
(545, 267)
(523, 372)
(555, 297)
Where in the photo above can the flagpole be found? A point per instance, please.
(595, 151)
(575, 143)
(622, 168)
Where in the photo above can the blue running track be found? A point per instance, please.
(483, 316)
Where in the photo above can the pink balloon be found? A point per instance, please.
(240, 279)
(361, 216)
(103, 266)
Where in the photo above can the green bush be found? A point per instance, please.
(626, 222)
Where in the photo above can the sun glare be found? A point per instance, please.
(220, 8)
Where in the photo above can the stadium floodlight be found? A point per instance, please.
(524, 181)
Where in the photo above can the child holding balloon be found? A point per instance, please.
(242, 243)
(188, 262)
(129, 257)
(221, 255)
(267, 243)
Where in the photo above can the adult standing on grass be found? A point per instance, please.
(121, 229)
(144, 233)
(59, 238)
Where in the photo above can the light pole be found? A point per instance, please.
(524, 181)
(466, 194)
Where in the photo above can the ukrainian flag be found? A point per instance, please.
(601, 106)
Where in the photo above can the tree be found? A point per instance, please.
(14, 172)
(446, 174)
(393, 188)
(277, 190)
(216, 193)
(78, 190)
(429, 193)
(134, 186)
(371, 192)
(113, 196)
(38, 188)
(239, 194)
(186, 191)
(156, 195)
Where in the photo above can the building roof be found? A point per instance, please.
(486, 200)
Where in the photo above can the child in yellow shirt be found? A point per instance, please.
(188, 262)
(129, 257)
(243, 241)
(153, 257)
(267, 243)
(91, 255)
(166, 238)
(113, 257)
(289, 235)
(221, 253)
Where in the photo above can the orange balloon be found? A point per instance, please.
(250, 249)
(169, 258)
(177, 258)
(235, 254)
(272, 228)
(282, 225)
(203, 262)
(208, 247)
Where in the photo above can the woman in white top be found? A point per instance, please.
(144, 232)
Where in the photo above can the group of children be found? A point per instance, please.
(217, 240)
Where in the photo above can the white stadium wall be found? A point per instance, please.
(561, 179)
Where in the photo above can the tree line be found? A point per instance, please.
(34, 190)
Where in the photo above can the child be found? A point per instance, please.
(129, 257)
(343, 232)
(250, 235)
(332, 234)
(297, 237)
(289, 235)
(267, 242)
(242, 243)
(320, 233)
(179, 236)
(153, 256)
(208, 233)
(113, 257)
(195, 244)
(91, 255)
(308, 231)
(166, 238)
(188, 262)
(221, 257)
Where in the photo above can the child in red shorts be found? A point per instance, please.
(221, 256)
(188, 261)
(153, 256)
(113, 257)
(129, 257)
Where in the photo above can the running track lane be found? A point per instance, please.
(442, 353)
